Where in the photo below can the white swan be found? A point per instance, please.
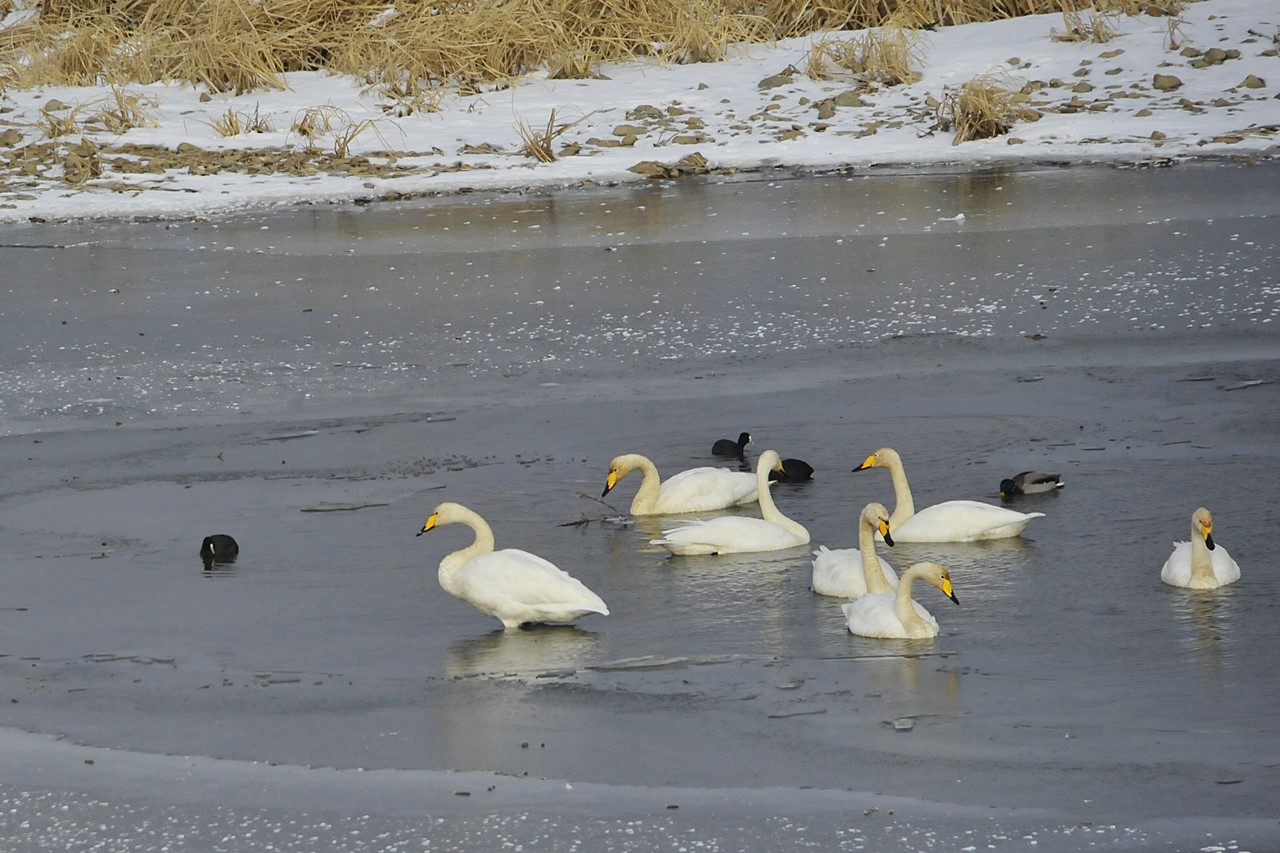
(694, 490)
(737, 534)
(516, 586)
(895, 615)
(951, 521)
(851, 572)
(1200, 564)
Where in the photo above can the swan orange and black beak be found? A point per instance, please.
(947, 588)
(1208, 536)
(431, 523)
(869, 462)
(884, 531)
(610, 482)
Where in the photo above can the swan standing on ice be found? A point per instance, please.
(737, 534)
(895, 615)
(1200, 564)
(694, 490)
(951, 521)
(851, 572)
(515, 586)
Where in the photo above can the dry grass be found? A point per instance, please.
(538, 144)
(232, 123)
(417, 47)
(1096, 27)
(985, 107)
(884, 55)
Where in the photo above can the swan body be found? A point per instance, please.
(851, 572)
(729, 447)
(951, 521)
(515, 586)
(1030, 483)
(895, 615)
(694, 490)
(773, 531)
(1200, 564)
(794, 471)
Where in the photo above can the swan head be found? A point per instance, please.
(885, 457)
(620, 467)
(938, 575)
(446, 513)
(876, 517)
(770, 461)
(1202, 524)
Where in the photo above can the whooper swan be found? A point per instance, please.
(694, 490)
(1030, 483)
(1200, 564)
(850, 572)
(894, 615)
(951, 521)
(515, 586)
(738, 534)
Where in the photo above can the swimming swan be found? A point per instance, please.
(951, 521)
(729, 447)
(1030, 483)
(1200, 564)
(738, 534)
(513, 585)
(694, 490)
(894, 615)
(851, 572)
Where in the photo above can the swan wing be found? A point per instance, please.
(963, 521)
(517, 587)
(875, 616)
(706, 489)
(839, 573)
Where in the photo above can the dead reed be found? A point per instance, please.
(984, 107)
(240, 46)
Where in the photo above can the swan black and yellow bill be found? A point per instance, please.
(431, 522)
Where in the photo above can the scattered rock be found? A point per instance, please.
(1166, 82)
(1253, 81)
(849, 99)
(642, 112)
(774, 81)
(625, 130)
(10, 138)
(693, 164)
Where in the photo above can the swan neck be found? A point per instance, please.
(903, 506)
(903, 606)
(483, 544)
(768, 509)
(872, 574)
(646, 498)
(1202, 572)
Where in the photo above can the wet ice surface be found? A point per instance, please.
(577, 282)
(317, 405)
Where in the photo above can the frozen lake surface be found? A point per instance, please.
(315, 381)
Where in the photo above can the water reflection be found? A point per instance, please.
(529, 651)
(1206, 617)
